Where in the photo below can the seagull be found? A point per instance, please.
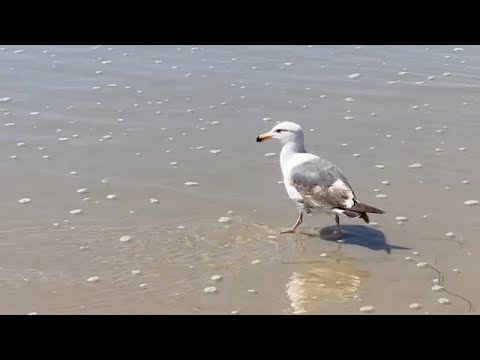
(316, 185)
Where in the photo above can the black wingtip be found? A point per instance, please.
(360, 207)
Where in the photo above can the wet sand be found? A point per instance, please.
(146, 119)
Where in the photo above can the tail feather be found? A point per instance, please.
(364, 216)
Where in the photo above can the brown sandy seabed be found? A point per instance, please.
(44, 268)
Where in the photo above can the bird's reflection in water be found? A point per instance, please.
(318, 285)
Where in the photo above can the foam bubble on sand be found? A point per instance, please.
(367, 309)
(125, 238)
(415, 165)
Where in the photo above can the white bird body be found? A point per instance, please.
(315, 184)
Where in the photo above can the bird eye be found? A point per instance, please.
(278, 130)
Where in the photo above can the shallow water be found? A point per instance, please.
(215, 98)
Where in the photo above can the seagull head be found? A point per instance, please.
(284, 132)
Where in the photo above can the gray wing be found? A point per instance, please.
(322, 184)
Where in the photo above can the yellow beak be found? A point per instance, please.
(263, 137)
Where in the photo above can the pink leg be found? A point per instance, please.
(337, 220)
(297, 223)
